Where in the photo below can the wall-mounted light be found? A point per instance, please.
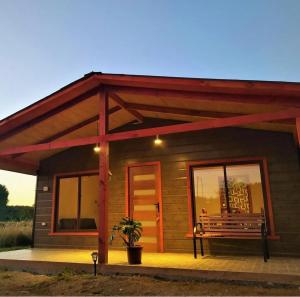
(45, 189)
(157, 141)
(97, 149)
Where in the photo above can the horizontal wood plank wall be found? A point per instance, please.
(278, 148)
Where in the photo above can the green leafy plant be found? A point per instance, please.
(129, 230)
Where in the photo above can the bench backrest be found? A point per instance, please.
(232, 223)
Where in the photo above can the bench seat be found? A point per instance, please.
(231, 226)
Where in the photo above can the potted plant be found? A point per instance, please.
(130, 231)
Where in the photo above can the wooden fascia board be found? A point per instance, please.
(178, 128)
(199, 84)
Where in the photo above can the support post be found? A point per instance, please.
(298, 131)
(103, 179)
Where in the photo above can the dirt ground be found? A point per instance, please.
(23, 283)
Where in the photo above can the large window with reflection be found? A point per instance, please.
(77, 203)
(227, 188)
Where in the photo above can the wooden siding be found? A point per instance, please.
(279, 149)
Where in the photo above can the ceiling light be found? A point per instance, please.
(97, 149)
(157, 141)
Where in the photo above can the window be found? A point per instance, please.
(77, 203)
(227, 188)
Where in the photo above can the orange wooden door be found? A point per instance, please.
(144, 203)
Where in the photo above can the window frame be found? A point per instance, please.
(263, 164)
(55, 203)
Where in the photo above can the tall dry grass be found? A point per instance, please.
(14, 234)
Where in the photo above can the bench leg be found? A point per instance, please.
(267, 248)
(264, 248)
(195, 247)
(201, 247)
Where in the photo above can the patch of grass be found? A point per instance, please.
(66, 274)
(15, 234)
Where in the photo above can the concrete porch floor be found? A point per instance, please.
(41, 260)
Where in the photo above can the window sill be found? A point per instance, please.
(73, 234)
(270, 237)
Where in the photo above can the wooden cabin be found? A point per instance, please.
(163, 150)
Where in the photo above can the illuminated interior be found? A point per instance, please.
(77, 207)
(223, 189)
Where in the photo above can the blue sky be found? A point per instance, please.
(46, 44)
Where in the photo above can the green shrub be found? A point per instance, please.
(16, 213)
(14, 234)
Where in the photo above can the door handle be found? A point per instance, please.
(157, 206)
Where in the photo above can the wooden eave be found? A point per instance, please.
(72, 112)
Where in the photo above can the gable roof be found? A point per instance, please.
(72, 111)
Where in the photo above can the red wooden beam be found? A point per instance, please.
(298, 130)
(124, 105)
(181, 111)
(201, 96)
(190, 112)
(73, 128)
(78, 126)
(48, 114)
(207, 124)
(103, 179)
(179, 128)
(50, 145)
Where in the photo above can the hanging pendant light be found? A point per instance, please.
(97, 148)
(157, 141)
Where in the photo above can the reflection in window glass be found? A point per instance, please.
(68, 203)
(208, 185)
(241, 192)
(77, 211)
(89, 202)
(244, 188)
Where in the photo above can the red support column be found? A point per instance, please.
(298, 131)
(103, 180)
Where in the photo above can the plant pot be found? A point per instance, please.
(134, 254)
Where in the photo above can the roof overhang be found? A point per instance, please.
(66, 117)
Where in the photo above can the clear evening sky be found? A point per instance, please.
(45, 45)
